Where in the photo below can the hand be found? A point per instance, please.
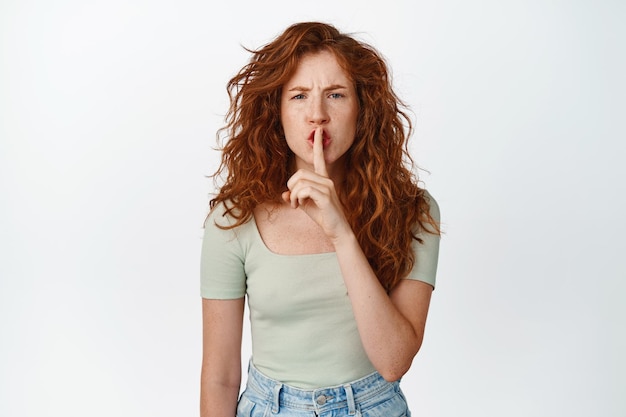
(314, 192)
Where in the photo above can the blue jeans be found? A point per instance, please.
(370, 396)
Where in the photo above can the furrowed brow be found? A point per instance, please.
(335, 87)
(299, 88)
(329, 88)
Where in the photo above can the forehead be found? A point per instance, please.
(320, 68)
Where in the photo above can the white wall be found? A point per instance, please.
(108, 111)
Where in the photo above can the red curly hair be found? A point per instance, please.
(382, 201)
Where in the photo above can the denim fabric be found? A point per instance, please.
(370, 396)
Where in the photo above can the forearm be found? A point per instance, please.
(388, 337)
(222, 322)
(217, 399)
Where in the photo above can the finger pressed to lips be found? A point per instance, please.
(304, 184)
(319, 164)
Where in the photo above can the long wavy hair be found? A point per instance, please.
(381, 198)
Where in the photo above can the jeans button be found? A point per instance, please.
(321, 400)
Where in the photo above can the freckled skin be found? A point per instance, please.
(319, 94)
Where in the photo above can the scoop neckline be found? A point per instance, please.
(258, 236)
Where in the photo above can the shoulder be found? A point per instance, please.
(222, 215)
(433, 206)
(429, 214)
(426, 244)
(221, 228)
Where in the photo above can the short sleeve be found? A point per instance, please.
(222, 274)
(427, 252)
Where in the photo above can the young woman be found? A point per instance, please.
(321, 224)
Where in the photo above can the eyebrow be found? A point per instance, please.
(330, 87)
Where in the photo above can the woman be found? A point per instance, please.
(321, 224)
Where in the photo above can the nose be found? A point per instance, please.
(317, 112)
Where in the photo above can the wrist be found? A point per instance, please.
(345, 238)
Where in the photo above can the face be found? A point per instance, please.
(319, 94)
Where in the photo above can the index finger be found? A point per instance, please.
(319, 164)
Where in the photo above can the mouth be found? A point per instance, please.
(325, 138)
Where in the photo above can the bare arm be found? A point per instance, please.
(391, 326)
(222, 322)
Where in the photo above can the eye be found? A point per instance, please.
(298, 97)
(336, 95)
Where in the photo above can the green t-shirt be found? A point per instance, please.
(303, 330)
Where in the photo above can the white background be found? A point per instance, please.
(108, 113)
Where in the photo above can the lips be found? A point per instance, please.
(325, 138)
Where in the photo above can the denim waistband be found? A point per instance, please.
(351, 395)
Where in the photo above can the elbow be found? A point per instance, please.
(397, 368)
(392, 375)
(394, 371)
(227, 377)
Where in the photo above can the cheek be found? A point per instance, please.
(286, 119)
(283, 114)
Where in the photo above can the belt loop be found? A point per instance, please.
(276, 398)
(350, 399)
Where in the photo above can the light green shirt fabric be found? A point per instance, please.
(303, 329)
